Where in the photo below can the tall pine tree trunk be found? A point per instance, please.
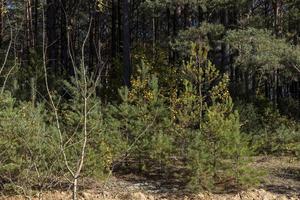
(36, 18)
(168, 35)
(126, 44)
(29, 32)
(1, 20)
(277, 9)
(64, 38)
(52, 36)
(113, 29)
(225, 46)
(119, 27)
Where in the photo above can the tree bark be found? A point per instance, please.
(113, 29)
(277, 8)
(126, 44)
(52, 36)
(64, 39)
(29, 32)
(36, 18)
(1, 21)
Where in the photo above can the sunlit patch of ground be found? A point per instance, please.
(281, 183)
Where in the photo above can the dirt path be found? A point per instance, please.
(283, 175)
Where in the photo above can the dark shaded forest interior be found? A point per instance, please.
(190, 95)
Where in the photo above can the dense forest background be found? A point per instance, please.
(186, 89)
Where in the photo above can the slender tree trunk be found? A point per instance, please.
(185, 16)
(169, 34)
(64, 39)
(174, 32)
(247, 84)
(113, 29)
(91, 42)
(153, 34)
(277, 9)
(225, 46)
(29, 32)
(1, 21)
(119, 27)
(298, 89)
(126, 44)
(254, 84)
(51, 26)
(274, 86)
(200, 15)
(75, 189)
(266, 13)
(36, 18)
(175, 22)
(137, 24)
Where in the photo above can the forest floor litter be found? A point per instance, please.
(282, 182)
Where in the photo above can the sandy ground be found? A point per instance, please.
(281, 183)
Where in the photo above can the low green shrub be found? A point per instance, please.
(270, 131)
(28, 145)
